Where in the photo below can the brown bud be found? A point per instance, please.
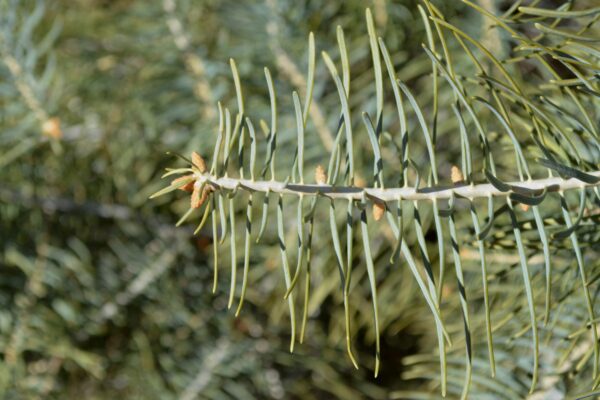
(359, 181)
(188, 187)
(198, 196)
(198, 162)
(378, 210)
(51, 128)
(320, 175)
(456, 175)
(195, 200)
(207, 190)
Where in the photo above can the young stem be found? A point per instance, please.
(406, 193)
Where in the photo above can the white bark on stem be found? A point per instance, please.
(406, 193)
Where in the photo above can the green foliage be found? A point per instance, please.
(103, 297)
(516, 108)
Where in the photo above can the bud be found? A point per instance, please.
(198, 162)
(320, 175)
(188, 187)
(195, 200)
(51, 128)
(199, 196)
(359, 181)
(378, 210)
(204, 195)
(456, 175)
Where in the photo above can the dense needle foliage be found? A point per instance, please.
(102, 296)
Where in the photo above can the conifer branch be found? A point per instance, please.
(482, 190)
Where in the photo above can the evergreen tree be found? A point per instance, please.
(410, 190)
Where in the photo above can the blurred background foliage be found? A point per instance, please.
(102, 297)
